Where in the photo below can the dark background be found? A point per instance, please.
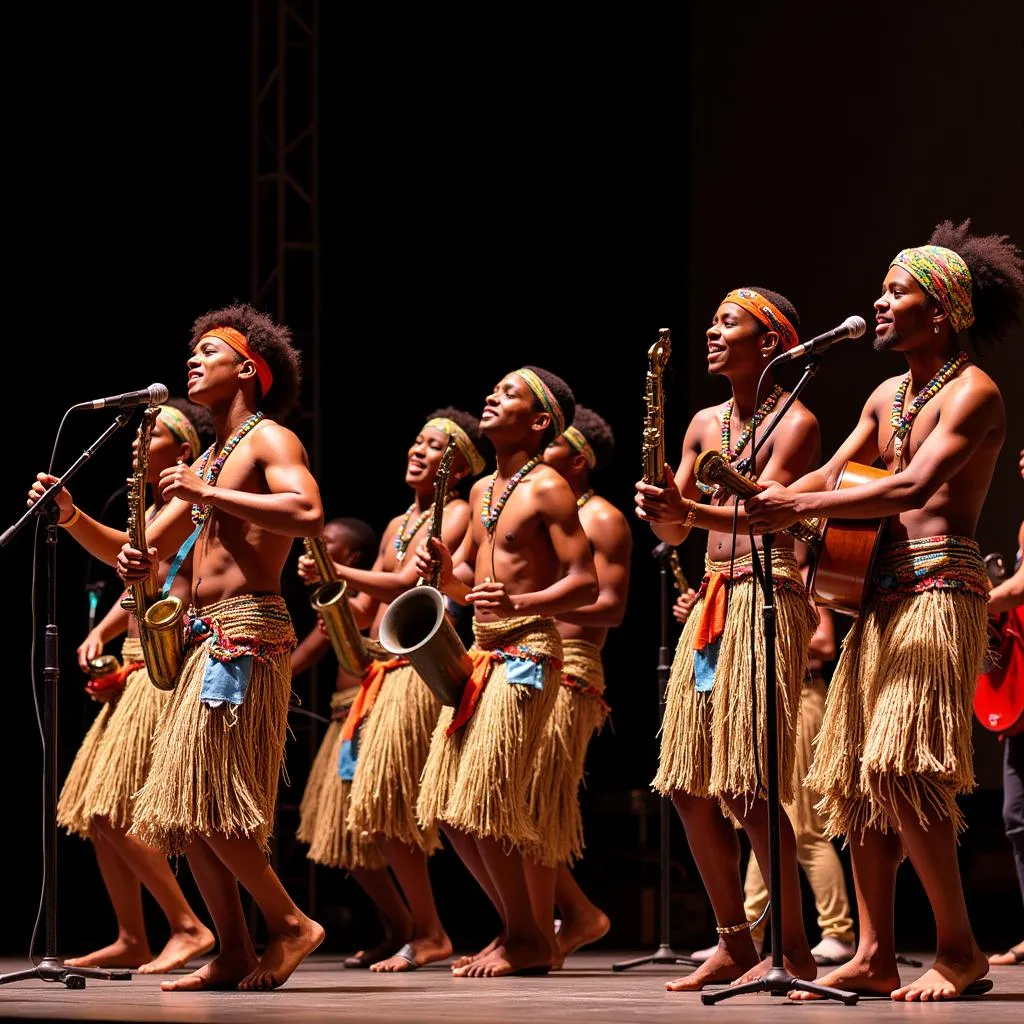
(539, 191)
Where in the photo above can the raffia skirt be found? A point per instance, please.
(553, 796)
(899, 711)
(215, 770)
(476, 779)
(707, 745)
(114, 757)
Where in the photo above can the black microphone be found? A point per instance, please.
(851, 327)
(662, 550)
(153, 395)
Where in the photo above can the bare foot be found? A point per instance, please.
(121, 953)
(946, 979)
(726, 964)
(513, 957)
(802, 967)
(465, 961)
(1014, 955)
(368, 957)
(181, 947)
(576, 933)
(423, 951)
(865, 975)
(222, 972)
(284, 952)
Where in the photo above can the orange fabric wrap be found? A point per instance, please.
(113, 681)
(483, 663)
(712, 619)
(238, 341)
(370, 686)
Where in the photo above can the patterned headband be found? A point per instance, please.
(473, 458)
(766, 312)
(575, 437)
(240, 344)
(181, 427)
(547, 400)
(945, 277)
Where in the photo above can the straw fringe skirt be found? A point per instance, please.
(553, 796)
(707, 747)
(216, 770)
(477, 779)
(113, 759)
(393, 749)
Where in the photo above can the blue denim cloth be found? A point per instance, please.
(524, 672)
(348, 759)
(225, 682)
(705, 662)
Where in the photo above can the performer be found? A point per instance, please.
(392, 720)
(97, 799)
(708, 756)
(524, 559)
(580, 709)
(895, 746)
(212, 782)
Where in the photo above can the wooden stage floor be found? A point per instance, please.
(586, 992)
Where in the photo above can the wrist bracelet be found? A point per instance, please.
(691, 513)
(76, 513)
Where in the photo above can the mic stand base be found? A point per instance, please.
(662, 955)
(50, 968)
(779, 982)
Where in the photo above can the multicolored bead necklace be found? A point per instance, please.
(404, 536)
(584, 498)
(200, 513)
(489, 518)
(902, 421)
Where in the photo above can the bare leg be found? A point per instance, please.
(189, 936)
(465, 846)
(582, 922)
(220, 893)
(131, 948)
(873, 970)
(429, 940)
(526, 948)
(798, 958)
(394, 915)
(958, 959)
(716, 849)
(540, 880)
(293, 936)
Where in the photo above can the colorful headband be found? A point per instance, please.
(766, 312)
(238, 342)
(575, 437)
(547, 400)
(945, 277)
(473, 458)
(181, 427)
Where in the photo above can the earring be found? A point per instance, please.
(936, 328)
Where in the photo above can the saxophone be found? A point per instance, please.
(654, 422)
(416, 623)
(330, 602)
(159, 619)
(682, 584)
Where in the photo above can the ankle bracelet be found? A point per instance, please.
(732, 929)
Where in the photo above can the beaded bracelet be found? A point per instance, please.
(691, 513)
(732, 929)
(76, 512)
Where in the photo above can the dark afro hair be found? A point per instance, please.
(469, 423)
(199, 417)
(563, 395)
(781, 303)
(598, 434)
(364, 540)
(271, 341)
(997, 278)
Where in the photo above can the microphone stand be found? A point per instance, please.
(777, 981)
(664, 954)
(51, 967)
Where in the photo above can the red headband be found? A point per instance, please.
(238, 342)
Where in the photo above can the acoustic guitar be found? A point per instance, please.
(844, 549)
(999, 697)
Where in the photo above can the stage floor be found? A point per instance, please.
(587, 991)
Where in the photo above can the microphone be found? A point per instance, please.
(851, 327)
(153, 395)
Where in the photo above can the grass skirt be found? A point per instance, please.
(216, 770)
(553, 796)
(113, 759)
(476, 780)
(899, 712)
(707, 747)
(393, 749)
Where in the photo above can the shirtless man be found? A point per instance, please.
(895, 746)
(523, 560)
(212, 783)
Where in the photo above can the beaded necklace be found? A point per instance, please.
(404, 537)
(489, 518)
(584, 498)
(902, 421)
(200, 513)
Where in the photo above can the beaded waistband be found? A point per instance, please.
(930, 563)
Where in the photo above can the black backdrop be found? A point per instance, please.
(547, 192)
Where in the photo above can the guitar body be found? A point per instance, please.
(999, 698)
(846, 556)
